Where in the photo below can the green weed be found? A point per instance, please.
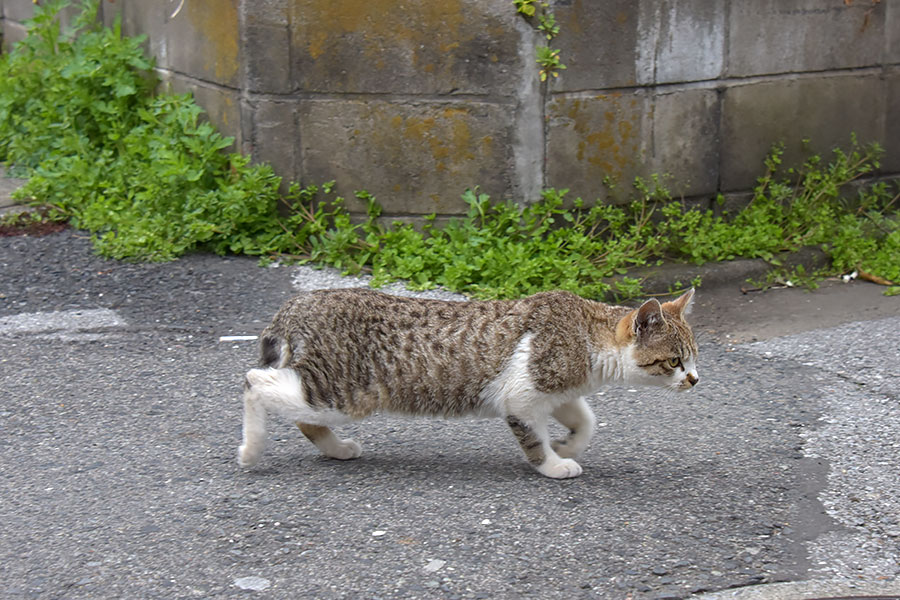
(547, 58)
(501, 250)
(144, 174)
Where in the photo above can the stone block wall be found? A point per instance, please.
(417, 100)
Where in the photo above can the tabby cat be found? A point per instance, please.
(334, 356)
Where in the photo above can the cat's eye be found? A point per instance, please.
(674, 362)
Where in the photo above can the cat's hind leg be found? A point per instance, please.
(254, 426)
(534, 439)
(578, 417)
(281, 391)
(270, 390)
(330, 444)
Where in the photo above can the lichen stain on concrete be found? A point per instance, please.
(487, 145)
(574, 23)
(447, 137)
(437, 203)
(227, 105)
(606, 134)
(217, 23)
(441, 139)
(331, 23)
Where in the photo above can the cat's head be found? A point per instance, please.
(662, 344)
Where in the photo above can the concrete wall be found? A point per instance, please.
(416, 100)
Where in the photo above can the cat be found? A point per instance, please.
(334, 356)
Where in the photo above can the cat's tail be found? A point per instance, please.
(274, 351)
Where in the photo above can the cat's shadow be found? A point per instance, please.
(477, 468)
(406, 466)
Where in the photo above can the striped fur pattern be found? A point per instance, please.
(334, 356)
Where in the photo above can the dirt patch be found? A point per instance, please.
(35, 224)
(728, 315)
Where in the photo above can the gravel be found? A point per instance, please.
(857, 367)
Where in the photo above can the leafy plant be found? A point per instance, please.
(547, 24)
(144, 174)
(61, 89)
(797, 207)
(528, 7)
(548, 59)
(501, 250)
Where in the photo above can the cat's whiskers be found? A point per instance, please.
(670, 394)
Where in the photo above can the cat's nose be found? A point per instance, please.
(692, 379)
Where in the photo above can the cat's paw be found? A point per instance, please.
(563, 448)
(570, 447)
(344, 450)
(248, 455)
(560, 469)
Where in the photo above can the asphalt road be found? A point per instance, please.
(120, 418)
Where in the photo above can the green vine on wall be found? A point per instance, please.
(545, 56)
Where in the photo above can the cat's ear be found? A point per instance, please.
(681, 306)
(648, 316)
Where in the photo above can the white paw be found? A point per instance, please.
(564, 449)
(248, 455)
(560, 469)
(345, 450)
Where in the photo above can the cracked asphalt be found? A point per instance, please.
(120, 418)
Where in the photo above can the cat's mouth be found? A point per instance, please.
(689, 381)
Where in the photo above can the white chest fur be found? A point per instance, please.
(513, 391)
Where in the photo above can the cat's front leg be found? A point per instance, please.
(534, 439)
(579, 418)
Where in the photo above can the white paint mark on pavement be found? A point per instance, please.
(60, 321)
(257, 584)
(237, 338)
